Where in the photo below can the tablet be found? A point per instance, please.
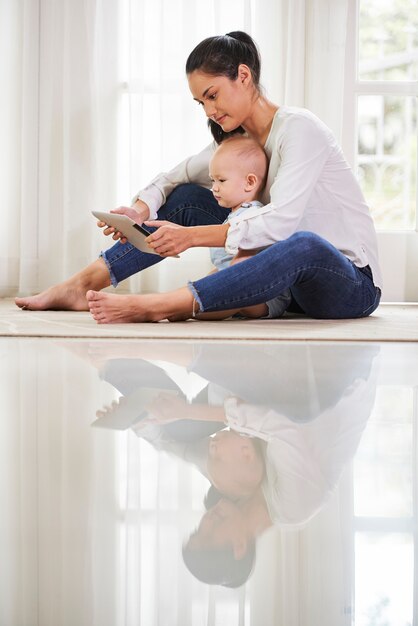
(133, 232)
(130, 409)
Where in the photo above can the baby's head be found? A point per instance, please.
(235, 464)
(238, 171)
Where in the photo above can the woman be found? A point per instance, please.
(320, 236)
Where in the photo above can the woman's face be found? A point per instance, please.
(227, 102)
(222, 526)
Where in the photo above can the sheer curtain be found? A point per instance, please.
(308, 68)
(95, 103)
(58, 124)
(93, 519)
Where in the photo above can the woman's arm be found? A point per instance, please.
(194, 169)
(170, 239)
(302, 148)
(146, 203)
(168, 408)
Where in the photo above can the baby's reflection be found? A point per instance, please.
(271, 427)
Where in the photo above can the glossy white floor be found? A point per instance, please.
(108, 448)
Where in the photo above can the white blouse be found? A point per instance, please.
(304, 461)
(310, 186)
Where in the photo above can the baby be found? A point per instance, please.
(238, 171)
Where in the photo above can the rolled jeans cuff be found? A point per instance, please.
(113, 279)
(196, 296)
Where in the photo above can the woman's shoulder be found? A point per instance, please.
(290, 121)
(298, 115)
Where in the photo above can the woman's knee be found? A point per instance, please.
(192, 205)
(188, 193)
(306, 245)
(307, 240)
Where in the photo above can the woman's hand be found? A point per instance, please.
(170, 239)
(139, 212)
(167, 407)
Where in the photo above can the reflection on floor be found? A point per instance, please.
(184, 483)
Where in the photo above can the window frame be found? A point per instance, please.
(391, 525)
(398, 249)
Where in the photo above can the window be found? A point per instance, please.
(385, 511)
(159, 121)
(387, 90)
(380, 130)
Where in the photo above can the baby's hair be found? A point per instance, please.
(249, 150)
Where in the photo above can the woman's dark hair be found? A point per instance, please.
(219, 566)
(221, 56)
(212, 497)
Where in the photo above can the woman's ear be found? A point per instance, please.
(239, 548)
(252, 180)
(244, 74)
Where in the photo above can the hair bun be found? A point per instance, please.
(239, 35)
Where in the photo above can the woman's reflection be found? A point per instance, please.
(271, 427)
(222, 549)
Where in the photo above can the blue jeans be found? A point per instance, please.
(323, 282)
(188, 205)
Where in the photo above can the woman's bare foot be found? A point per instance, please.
(61, 297)
(71, 294)
(107, 308)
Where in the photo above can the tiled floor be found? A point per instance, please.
(108, 452)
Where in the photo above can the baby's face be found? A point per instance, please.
(229, 180)
(233, 465)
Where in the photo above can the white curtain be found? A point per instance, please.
(94, 103)
(92, 520)
(308, 68)
(58, 127)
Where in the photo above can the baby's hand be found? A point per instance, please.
(169, 239)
